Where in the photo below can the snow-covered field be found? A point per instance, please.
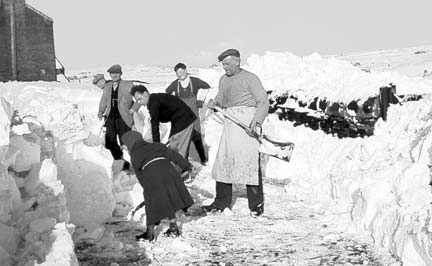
(338, 202)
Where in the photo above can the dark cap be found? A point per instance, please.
(115, 69)
(229, 52)
(98, 77)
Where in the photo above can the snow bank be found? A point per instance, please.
(61, 108)
(33, 215)
(53, 178)
(313, 76)
(384, 182)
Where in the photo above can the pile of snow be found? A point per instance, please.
(384, 182)
(313, 76)
(34, 220)
(65, 177)
(60, 108)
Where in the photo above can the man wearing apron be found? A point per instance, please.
(186, 88)
(242, 95)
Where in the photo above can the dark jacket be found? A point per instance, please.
(166, 108)
(142, 152)
(164, 190)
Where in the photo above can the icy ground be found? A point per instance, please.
(291, 232)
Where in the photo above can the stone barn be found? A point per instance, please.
(26, 43)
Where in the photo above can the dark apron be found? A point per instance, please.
(191, 101)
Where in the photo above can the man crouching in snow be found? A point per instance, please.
(237, 159)
(164, 190)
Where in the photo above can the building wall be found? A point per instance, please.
(5, 38)
(34, 45)
(37, 49)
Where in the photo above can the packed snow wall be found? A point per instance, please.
(382, 181)
(35, 224)
(55, 179)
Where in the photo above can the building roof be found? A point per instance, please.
(40, 13)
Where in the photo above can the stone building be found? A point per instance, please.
(26, 43)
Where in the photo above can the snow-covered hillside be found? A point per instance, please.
(412, 62)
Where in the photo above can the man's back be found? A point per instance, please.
(165, 108)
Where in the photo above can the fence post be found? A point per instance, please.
(385, 98)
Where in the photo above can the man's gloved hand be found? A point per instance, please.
(254, 128)
(186, 175)
(211, 104)
(135, 107)
(100, 116)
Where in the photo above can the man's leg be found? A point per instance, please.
(180, 142)
(223, 198)
(255, 194)
(223, 195)
(111, 139)
(199, 145)
(122, 128)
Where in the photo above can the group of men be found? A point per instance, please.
(240, 94)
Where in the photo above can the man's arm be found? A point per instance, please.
(202, 84)
(128, 96)
(260, 95)
(172, 87)
(219, 96)
(179, 160)
(102, 103)
(154, 120)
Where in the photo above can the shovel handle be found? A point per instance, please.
(238, 122)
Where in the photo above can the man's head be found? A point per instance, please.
(181, 71)
(230, 60)
(99, 80)
(140, 93)
(115, 72)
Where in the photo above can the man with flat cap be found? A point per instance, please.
(114, 105)
(99, 81)
(242, 95)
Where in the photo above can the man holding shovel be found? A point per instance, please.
(243, 96)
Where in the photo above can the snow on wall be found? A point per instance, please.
(383, 180)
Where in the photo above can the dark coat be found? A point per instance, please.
(166, 108)
(164, 190)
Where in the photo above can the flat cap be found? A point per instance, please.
(229, 52)
(98, 77)
(115, 69)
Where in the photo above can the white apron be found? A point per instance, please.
(237, 158)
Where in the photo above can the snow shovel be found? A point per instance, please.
(268, 145)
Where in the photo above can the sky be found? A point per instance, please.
(95, 33)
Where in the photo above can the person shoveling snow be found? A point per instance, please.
(237, 160)
(164, 191)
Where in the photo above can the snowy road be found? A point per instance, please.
(291, 232)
